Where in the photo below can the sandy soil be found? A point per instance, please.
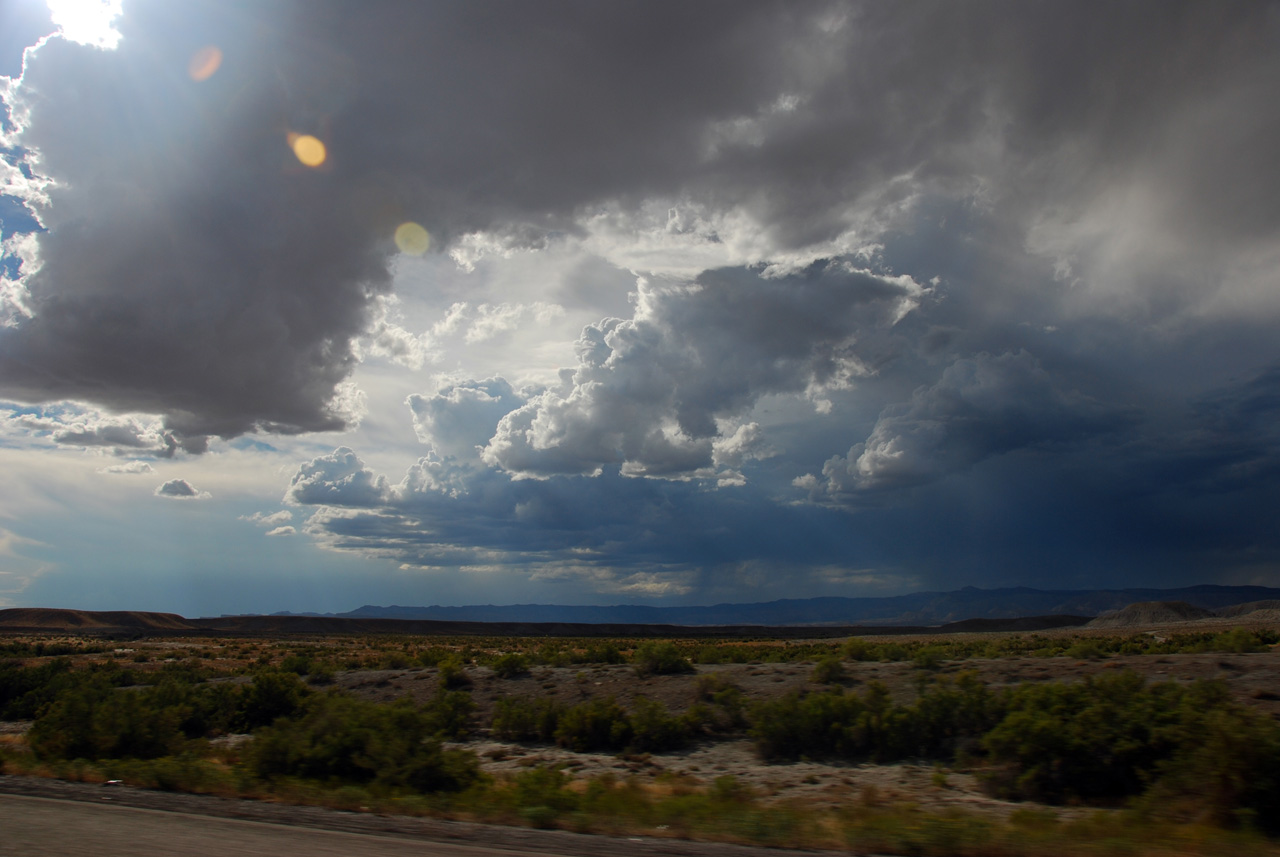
(1253, 679)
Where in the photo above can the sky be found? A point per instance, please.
(308, 304)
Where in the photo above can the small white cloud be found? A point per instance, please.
(493, 320)
(129, 467)
(282, 531)
(271, 519)
(386, 338)
(181, 489)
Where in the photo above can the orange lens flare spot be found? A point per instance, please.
(412, 239)
(309, 150)
(204, 63)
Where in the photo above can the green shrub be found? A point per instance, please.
(601, 653)
(829, 670)
(340, 739)
(523, 719)
(554, 655)
(449, 713)
(654, 729)
(396, 661)
(299, 664)
(597, 724)
(928, 658)
(1236, 640)
(272, 695)
(1107, 737)
(1228, 774)
(1085, 649)
(320, 674)
(946, 719)
(542, 795)
(510, 666)
(452, 675)
(857, 649)
(720, 707)
(97, 722)
(889, 652)
(433, 656)
(660, 658)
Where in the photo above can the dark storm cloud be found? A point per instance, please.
(1023, 479)
(193, 268)
(983, 406)
(1017, 256)
(606, 529)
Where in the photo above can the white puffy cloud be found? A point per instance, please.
(75, 424)
(180, 489)
(339, 479)
(459, 419)
(269, 519)
(651, 393)
(134, 467)
(283, 531)
(386, 338)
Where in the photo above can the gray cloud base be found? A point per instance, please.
(193, 268)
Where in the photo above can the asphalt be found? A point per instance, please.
(51, 818)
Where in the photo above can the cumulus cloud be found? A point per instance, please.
(650, 394)
(180, 489)
(283, 531)
(339, 479)
(459, 419)
(74, 424)
(980, 407)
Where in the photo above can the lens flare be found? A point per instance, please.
(204, 63)
(412, 239)
(309, 150)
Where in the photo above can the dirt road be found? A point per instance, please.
(50, 818)
(40, 827)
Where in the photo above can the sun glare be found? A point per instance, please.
(308, 149)
(412, 239)
(87, 22)
(204, 63)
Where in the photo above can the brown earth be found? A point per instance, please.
(1150, 613)
(34, 619)
(51, 619)
(1253, 679)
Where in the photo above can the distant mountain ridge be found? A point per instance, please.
(918, 608)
